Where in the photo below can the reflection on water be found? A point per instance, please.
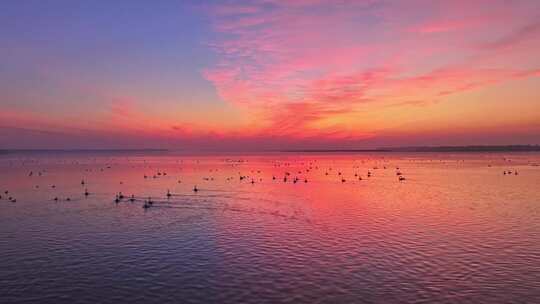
(340, 229)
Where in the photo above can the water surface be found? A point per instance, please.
(456, 230)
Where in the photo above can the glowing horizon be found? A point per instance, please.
(248, 75)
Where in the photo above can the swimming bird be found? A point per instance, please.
(195, 189)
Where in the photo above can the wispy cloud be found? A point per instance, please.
(298, 64)
(527, 32)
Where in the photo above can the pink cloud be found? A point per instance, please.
(297, 63)
(527, 32)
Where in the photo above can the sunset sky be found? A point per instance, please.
(271, 74)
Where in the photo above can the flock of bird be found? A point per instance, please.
(288, 175)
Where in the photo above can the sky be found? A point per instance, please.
(269, 74)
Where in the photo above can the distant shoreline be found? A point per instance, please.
(120, 151)
(413, 149)
(509, 148)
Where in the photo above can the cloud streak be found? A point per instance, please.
(297, 65)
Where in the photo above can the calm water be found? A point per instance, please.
(456, 230)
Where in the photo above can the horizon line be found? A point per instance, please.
(441, 148)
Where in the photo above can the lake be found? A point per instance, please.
(269, 228)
